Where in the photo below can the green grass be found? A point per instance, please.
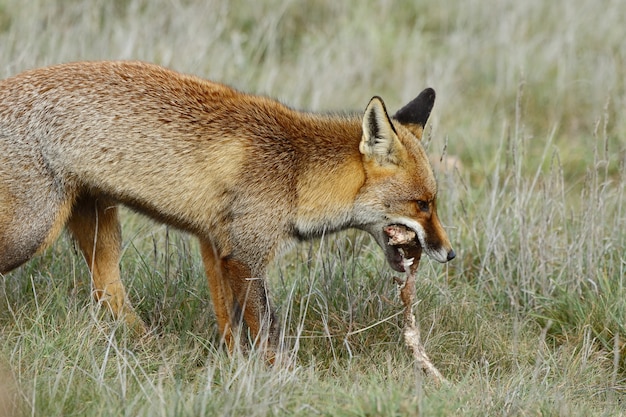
(528, 320)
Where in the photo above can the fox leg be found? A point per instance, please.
(227, 310)
(95, 226)
(251, 294)
(233, 291)
(29, 220)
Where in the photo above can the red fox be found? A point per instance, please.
(245, 174)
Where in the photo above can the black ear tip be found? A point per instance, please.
(418, 110)
(428, 94)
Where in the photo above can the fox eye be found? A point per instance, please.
(423, 205)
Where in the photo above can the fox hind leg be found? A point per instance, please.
(29, 225)
(95, 226)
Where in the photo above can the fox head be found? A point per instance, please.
(400, 187)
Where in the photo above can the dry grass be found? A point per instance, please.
(528, 320)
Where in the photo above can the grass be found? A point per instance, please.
(528, 320)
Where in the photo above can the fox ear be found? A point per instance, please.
(379, 139)
(415, 114)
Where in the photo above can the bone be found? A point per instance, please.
(401, 236)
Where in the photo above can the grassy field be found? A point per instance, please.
(530, 319)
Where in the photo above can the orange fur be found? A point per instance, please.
(245, 174)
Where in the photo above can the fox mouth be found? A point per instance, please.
(398, 250)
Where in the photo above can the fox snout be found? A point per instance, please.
(432, 238)
(442, 254)
(428, 237)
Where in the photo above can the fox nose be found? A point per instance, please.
(451, 255)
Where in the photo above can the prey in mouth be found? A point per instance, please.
(403, 248)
